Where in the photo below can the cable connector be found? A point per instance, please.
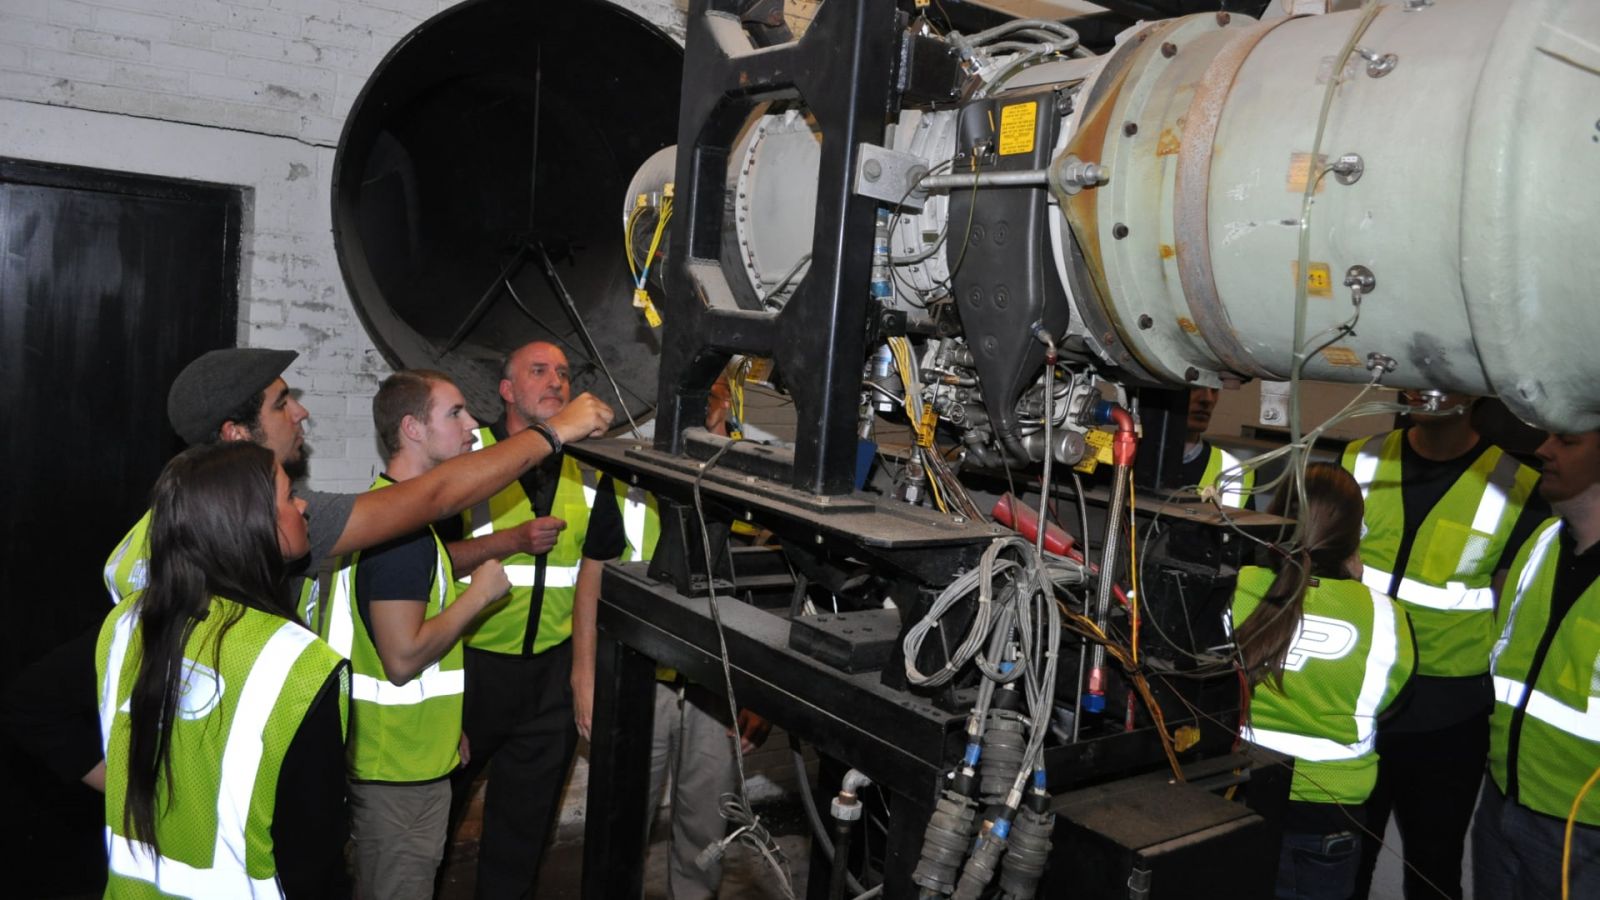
(641, 300)
(666, 191)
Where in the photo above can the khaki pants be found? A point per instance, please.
(398, 831)
(692, 744)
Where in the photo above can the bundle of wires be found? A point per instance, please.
(948, 493)
(640, 269)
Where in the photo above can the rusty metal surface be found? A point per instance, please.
(1191, 213)
(1090, 142)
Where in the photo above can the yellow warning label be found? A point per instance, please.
(760, 369)
(1300, 169)
(1319, 278)
(1099, 452)
(1341, 356)
(1017, 123)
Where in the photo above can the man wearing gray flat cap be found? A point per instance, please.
(239, 394)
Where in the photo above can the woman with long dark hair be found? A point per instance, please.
(1325, 656)
(222, 715)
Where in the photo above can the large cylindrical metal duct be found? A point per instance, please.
(1456, 167)
(498, 135)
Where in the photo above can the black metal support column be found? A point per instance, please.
(617, 823)
(842, 70)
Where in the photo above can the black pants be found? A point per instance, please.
(1430, 781)
(517, 712)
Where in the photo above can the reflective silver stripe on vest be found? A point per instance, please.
(121, 634)
(1302, 747)
(480, 511)
(429, 683)
(1232, 489)
(341, 625)
(1530, 571)
(1454, 596)
(524, 575)
(112, 565)
(1382, 653)
(1496, 495)
(241, 762)
(1366, 467)
(1580, 723)
(432, 683)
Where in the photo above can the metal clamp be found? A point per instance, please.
(1378, 65)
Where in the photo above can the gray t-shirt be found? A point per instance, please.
(327, 515)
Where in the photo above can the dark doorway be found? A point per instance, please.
(109, 284)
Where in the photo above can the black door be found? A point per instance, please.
(109, 285)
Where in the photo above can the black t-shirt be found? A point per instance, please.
(1424, 482)
(1433, 701)
(402, 568)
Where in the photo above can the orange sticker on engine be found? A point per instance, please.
(1300, 170)
(1341, 356)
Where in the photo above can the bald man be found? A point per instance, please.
(518, 705)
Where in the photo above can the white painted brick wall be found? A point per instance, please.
(250, 93)
(242, 92)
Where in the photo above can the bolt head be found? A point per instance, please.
(1145, 322)
(1191, 374)
(1130, 129)
(1119, 231)
(872, 169)
(1169, 49)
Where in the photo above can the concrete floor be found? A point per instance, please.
(746, 875)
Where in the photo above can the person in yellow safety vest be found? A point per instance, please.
(239, 394)
(517, 710)
(691, 736)
(1208, 465)
(1326, 656)
(222, 718)
(1544, 733)
(1445, 511)
(394, 612)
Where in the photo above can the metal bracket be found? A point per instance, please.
(1349, 168)
(891, 176)
(1360, 279)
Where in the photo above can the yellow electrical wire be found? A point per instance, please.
(1566, 843)
(1086, 626)
(627, 238)
(661, 229)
